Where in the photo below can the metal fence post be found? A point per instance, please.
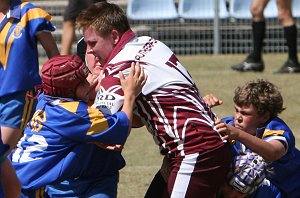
(216, 28)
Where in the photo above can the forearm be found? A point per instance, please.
(128, 106)
(265, 149)
(47, 41)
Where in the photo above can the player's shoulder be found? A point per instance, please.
(228, 120)
(32, 11)
(25, 5)
(74, 106)
(277, 125)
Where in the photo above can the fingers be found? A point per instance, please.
(225, 138)
(138, 72)
(141, 73)
(122, 77)
(212, 100)
(221, 126)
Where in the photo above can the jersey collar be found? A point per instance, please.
(15, 9)
(126, 37)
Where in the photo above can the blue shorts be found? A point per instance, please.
(104, 187)
(16, 109)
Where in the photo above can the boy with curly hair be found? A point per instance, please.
(257, 128)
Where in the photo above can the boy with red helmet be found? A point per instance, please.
(67, 140)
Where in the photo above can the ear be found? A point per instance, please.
(115, 36)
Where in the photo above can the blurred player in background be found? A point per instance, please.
(72, 10)
(22, 26)
(254, 61)
(67, 140)
(170, 105)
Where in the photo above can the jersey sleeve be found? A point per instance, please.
(37, 18)
(278, 130)
(94, 126)
(79, 122)
(107, 129)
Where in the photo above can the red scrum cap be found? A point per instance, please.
(62, 74)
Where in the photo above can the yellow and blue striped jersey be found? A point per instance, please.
(19, 67)
(60, 143)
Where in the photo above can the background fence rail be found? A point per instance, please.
(190, 36)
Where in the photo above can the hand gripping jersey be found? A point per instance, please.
(283, 173)
(19, 66)
(60, 141)
(169, 105)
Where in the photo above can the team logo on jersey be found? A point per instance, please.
(146, 49)
(17, 33)
(108, 103)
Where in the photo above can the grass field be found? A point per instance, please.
(212, 74)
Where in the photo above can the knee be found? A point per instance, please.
(285, 16)
(257, 12)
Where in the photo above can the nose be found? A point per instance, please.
(238, 117)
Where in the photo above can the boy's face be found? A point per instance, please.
(100, 47)
(82, 91)
(93, 64)
(247, 118)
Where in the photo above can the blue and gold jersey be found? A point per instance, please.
(283, 173)
(60, 143)
(19, 67)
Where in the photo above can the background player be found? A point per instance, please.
(72, 10)
(254, 61)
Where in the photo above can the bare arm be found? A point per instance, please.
(47, 41)
(9, 180)
(270, 151)
(132, 87)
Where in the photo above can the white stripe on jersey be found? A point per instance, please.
(162, 118)
(171, 120)
(184, 175)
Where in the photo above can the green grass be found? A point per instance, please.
(212, 74)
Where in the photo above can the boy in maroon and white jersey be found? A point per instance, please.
(170, 105)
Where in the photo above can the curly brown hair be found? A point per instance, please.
(104, 17)
(262, 94)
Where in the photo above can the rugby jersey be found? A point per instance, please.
(60, 143)
(19, 66)
(170, 105)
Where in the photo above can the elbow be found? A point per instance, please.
(276, 155)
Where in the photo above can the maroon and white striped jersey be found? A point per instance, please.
(170, 106)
